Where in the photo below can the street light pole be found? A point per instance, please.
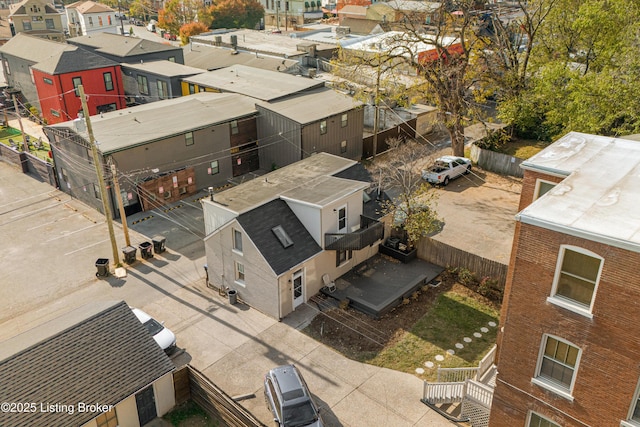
(98, 165)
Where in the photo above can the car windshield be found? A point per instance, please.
(153, 326)
(301, 414)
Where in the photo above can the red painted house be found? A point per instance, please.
(57, 78)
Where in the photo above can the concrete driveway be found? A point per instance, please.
(51, 243)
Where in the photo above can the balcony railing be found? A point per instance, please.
(370, 232)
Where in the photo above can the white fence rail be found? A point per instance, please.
(487, 362)
(446, 375)
(436, 393)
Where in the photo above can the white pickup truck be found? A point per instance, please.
(447, 168)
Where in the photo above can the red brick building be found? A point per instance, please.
(569, 346)
(57, 79)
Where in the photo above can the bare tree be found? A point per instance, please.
(413, 201)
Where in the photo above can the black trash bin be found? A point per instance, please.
(158, 244)
(129, 253)
(146, 250)
(102, 264)
(233, 296)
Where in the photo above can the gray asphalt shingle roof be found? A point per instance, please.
(99, 353)
(122, 46)
(258, 224)
(32, 48)
(311, 106)
(164, 68)
(72, 60)
(255, 82)
(142, 124)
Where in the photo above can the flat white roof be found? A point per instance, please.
(259, 191)
(600, 198)
(324, 190)
(396, 43)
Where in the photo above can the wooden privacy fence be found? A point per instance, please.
(503, 164)
(191, 383)
(439, 253)
(29, 164)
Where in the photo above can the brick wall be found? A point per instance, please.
(609, 368)
(152, 197)
(529, 186)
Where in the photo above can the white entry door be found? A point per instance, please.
(298, 288)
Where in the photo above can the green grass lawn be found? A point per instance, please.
(524, 148)
(190, 414)
(14, 134)
(452, 317)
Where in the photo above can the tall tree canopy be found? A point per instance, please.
(177, 13)
(236, 13)
(584, 73)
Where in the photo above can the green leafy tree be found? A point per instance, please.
(446, 65)
(177, 13)
(584, 74)
(142, 9)
(236, 14)
(191, 29)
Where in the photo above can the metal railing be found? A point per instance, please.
(370, 232)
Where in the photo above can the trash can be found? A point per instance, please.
(129, 253)
(146, 250)
(233, 296)
(102, 264)
(158, 244)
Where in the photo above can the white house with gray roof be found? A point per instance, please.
(130, 50)
(94, 366)
(88, 17)
(273, 239)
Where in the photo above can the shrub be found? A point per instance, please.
(494, 140)
(467, 278)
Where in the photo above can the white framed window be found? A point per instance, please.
(188, 138)
(537, 420)
(633, 418)
(344, 120)
(215, 167)
(557, 366)
(342, 256)
(163, 89)
(323, 127)
(239, 273)
(234, 127)
(576, 279)
(342, 219)
(237, 240)
(542, 187)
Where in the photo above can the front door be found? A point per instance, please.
(146, 403)
(298, 288)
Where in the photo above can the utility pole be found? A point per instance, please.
(98, 165)
(123, 217)
(24, 137)
(120, 18)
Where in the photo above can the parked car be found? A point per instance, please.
(170, 36)
(163, 336)
(447, 168)
(289, 399)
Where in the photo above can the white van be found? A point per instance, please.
(152, 26)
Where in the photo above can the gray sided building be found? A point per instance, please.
(321, 120)
(163, 151)
(154, 80)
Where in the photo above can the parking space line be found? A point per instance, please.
(86, 247)
(27, 198)
(52, 222)
(73, 232)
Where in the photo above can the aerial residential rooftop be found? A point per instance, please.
(164, 68)
(600, 197)
(122, 129)
(255, 82)
(258, 41)
(32, 48)
(213, 58)
(256, 192)
(309, 107)
(323, 190)
(118, 45)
